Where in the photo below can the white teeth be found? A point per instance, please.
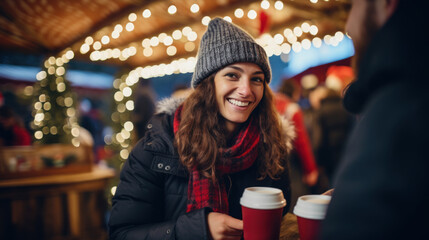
(238, 103)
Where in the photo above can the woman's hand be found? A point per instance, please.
(222, 226)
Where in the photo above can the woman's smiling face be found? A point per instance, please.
(239, 89)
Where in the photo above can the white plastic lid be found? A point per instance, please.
(312, 206)
(263, 198)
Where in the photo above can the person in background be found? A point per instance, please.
(12, 131)
(184, 180)
(330, 130)
(381, 185)
(181, 91)
(144, 106)
(91, 130)
(338, 78)
(302, 162)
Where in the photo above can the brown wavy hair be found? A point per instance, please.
(202, 133)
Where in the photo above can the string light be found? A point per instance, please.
(306, 44)
(154, 41)
(147, 52)
(162, 37)
(252, 14)
(265, 4)
(171, 50)
(297, 31)
(84, 48)
(317, 42)
(189, 46)
(132, 17)
(278, 5)
(113, 190)
(296, 47)
(192, 36)
(129, 27)
(238, 13)
(313, 30)
(305, 27)
(186, 30)
(228, 19)
(96, 45)
(278, 39)
(195, 8)
(146, 43)
(105, 40)
(168, 41)
(172, 9)
(177, 34)
(146, 13)
(118, 28)
(89, 40)
(286, 48)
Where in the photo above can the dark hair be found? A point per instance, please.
(288, 87)
(6, 112)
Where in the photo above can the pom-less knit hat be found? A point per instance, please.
(223, 44)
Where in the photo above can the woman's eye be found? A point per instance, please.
(231, 75)
(258, 79)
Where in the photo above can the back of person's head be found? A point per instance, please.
(6, 112)
(144, 82)
(288, 87)
(316, 96)
(181, 91)
(7, 117)
(338, 77)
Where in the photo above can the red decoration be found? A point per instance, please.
(264, 22)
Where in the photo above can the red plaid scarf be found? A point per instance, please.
(201, 190)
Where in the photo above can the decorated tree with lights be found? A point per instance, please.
(54, 107)
(123, 136)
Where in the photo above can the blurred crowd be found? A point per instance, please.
(322, 126)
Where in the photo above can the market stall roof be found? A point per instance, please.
(134, 33)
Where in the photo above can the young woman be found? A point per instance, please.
(184, 180)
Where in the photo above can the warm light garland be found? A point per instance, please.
(291, 35)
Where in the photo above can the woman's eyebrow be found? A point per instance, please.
(236, 68)
(241, 70)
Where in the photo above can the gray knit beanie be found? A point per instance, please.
(223, 44)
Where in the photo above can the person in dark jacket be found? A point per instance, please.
(380, 188)
(184, 180)
(330, 130)
(12, 131)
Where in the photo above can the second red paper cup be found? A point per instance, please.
(310, 210)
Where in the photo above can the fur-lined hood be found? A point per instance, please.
(169, 105)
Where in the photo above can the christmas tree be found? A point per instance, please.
(54, 106)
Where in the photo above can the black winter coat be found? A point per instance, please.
(150, 201)
(381, 190)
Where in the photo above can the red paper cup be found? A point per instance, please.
(262, 209)
(310, 211)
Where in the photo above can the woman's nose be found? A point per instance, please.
(244, 87)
